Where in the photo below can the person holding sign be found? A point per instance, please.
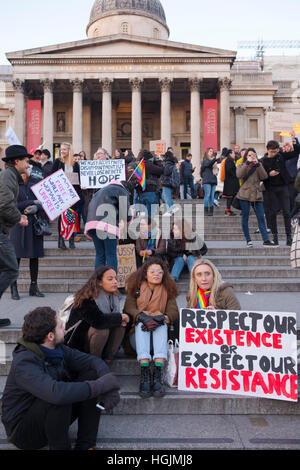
(151, 301)
(95, 325)
(208, 291)
(66, 163)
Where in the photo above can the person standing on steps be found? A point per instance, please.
(231, 182)
(65, 163)
(276, 185)
(209, 180)
(26, 243)
(187, 176)
(151, 301)
(17, 163)
(252, 173)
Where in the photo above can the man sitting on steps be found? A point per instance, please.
(50, 385)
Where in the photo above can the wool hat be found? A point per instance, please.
(16, 152)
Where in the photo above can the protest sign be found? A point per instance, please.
(158, 147)
(126, 262)
(239, 353)
(11, 137)
(56, 194)
(96, 174)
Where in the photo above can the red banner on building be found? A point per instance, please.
(210, 118)
(34, 124)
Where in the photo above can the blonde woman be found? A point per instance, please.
(101, 154)
(66, 163)
(207, 289)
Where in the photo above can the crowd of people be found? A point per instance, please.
(60, 369)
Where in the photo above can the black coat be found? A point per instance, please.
(25, 242)
(31, 377)
(231, 182)
(278, 163)
(207, 174)
(91, 316)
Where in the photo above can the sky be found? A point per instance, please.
(217, 23)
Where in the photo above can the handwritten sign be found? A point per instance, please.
(239, 353)
(126, 262)
(158, 147)
(56, 194)
(96, 174)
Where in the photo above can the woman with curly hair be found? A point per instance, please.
(98, 325)
(151, 301)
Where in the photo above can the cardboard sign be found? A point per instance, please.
(56, 193)
(297, 128)
(96, 174)
(158, 147)
(239, 353)
(126, 262)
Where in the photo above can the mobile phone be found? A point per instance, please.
(100, 407)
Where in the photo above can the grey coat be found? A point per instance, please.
(9, 191)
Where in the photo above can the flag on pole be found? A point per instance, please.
(140, 173)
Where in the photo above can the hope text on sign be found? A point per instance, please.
(96, 174)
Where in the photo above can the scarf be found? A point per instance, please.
(154, 302)
(108, 303)
(203, 298)
(53, 356)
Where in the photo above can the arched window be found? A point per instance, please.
(125, 28)
(156, 33)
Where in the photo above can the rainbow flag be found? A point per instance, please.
(140, 173)
(203, 298)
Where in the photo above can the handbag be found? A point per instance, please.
(41, 226)
(236, 203)
(171, 371)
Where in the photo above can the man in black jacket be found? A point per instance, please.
(17, 163)
(187, 176)
(277, 192)
(50, 385)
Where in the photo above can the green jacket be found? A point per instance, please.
(9, 191)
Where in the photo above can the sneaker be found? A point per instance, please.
(216, 203)
(250, 244)
(175, 209)
(4, 322)
(268, 243)
(256, 231)
(269, 230)
(168, 214)
(232, 213)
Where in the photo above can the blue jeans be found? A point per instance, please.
(148, 199)
(209, 194)
(106, 251)
(143, 342)
(260, 215)
(167, 197)
(179, 265)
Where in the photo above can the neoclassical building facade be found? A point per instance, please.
(127, 84)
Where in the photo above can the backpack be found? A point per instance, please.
(174, 178)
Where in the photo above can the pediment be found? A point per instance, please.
(120, 46)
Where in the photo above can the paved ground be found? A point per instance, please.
(262, 301)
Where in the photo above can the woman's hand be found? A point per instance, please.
(148, 252)
(125, 319)
(167, 320)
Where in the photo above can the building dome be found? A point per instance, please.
(127, 13)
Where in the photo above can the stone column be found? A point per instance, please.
(136, 116)
(165, 86)
(77, 85)
(19, 110)
(48, 114)
(239, 126)
(87, 128)
(225, 85)
(107, 114)
(195, 123)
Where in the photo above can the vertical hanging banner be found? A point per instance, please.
(239, 353)
(34, 124)
(210, 127)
